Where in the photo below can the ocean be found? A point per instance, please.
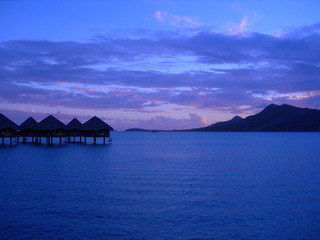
(166, 185)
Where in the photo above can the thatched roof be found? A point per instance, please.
(74, 124)
(7, 123)
(30, 123)
(95, 124)
(50, 123)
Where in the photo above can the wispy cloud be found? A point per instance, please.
(168, 123)
(243, 26)
(177, 21)
(248, 20)
(239, 28)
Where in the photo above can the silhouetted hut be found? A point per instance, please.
(8, 129)
(29, 129)
(74, 125)
(95, 127)
(51, 127)
(73, 129)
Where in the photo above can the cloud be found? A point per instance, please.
(177, 21)
(169, 123)
(206, 71)
(300, 32)
(240, 28)
(247, 20)
(156, 122)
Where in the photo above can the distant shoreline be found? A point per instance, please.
(274, 118)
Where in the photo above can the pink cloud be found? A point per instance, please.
(169, 123)
(240, 28)
(243, 26)
(177, 21)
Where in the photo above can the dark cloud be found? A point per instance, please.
(219, 71)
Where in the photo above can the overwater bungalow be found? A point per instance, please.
(51, 128)
(8, 130)
(96, 129)
(28, 129)
(73, 130)
(54, 131)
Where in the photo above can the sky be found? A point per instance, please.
(157, 64)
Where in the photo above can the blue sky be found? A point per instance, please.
(157, 64)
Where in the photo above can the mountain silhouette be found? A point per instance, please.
(274, 118)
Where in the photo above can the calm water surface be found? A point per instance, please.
(164, 186)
